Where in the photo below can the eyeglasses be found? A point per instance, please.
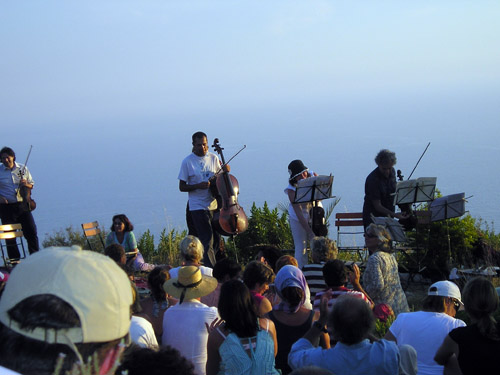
(368, 235)
(456, 304)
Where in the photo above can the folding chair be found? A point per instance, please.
(92, 230)
(11, 236)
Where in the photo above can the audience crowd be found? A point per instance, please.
(68, 310)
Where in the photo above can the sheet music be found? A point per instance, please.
(417, 190)
(392, 225)
(448, 207)
(313, 189)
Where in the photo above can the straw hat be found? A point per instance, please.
(190, 284)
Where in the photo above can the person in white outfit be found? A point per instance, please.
(425, 330)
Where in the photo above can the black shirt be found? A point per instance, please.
(378, 187)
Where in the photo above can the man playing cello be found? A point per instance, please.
(196, 170)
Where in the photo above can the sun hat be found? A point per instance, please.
(190, 283)
(91, 283)
(445, 288)
(295, 168)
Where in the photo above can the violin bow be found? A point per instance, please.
(421, 156)
(23, 170)
(227, 162)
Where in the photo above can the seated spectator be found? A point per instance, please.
(425, 330)
(335, 275)
(64, 301)
(122, 234)
(191, 254)
(257, 276)
(141, 330)
(290, 316)
(243, 343)
(323, 249)
(272, 294)
(117, 253)
(158, 302)
(224, 270)
(352, 323)
(476, 346)
(140, 361)
(268, 254)
(311, 370)
(184, 325)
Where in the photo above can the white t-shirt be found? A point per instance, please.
(174, 272)
(194, 170)
(425, 331)
(184, 329)
(142, 333)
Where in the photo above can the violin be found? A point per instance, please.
(230, 219)
(24, 191)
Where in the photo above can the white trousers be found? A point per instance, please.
(299, 241)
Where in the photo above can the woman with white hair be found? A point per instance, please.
(191, 254)
(381, 277)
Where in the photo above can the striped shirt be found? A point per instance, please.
(337, 292)
(314, 277)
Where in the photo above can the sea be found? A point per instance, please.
(91, 170)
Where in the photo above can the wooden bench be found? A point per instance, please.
(350, 220)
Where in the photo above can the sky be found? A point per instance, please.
(109, 93)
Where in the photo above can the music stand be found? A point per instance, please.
(445, 208)
(313, 189)
(415, 191)
(392, 225)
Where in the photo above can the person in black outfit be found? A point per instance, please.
(380, 185)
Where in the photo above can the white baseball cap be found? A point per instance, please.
(91, 283)
(445, 288)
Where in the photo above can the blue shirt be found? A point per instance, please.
(378, 358)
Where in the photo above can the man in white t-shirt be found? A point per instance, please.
(425, 330)
(196, 170)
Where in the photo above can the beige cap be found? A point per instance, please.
(98, 290)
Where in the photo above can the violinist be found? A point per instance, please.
(380, 186)
(13, 207)
(196, 170)
(298, 213)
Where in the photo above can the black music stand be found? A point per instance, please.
(395, 229)
(415, 191)
(312, 190)
(448, 207)
(411, 192)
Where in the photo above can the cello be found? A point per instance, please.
(230, 219)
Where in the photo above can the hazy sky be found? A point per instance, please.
(88, 61)
(331, 82)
